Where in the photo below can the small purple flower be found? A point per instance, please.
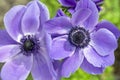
(23, 44)
(71, 4)
(82, 42)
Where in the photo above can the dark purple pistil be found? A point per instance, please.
(79, 37)
(28, 45)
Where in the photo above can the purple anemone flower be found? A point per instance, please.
(23, 45)
(93, 17)
(82, 42)
(71, 4)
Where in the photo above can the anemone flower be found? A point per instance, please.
(82, 42)
(71, 4)
(93, 17)
(23, 44)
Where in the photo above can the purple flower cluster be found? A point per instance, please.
(50, 49)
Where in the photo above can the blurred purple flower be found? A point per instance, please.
(98, 3)
(60, 13)
(81, 41)
(23, 44)
(71, 4)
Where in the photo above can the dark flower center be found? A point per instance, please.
(29, 45)
(79, 37)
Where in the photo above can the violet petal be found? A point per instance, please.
(12, 21)
(18, 68)
(8, 51)
(109, 26)
(30, 20)
(61, 48)
(87, 67)
(103, 41)
(5, 38)
(80, 16)
(72, 63)
(58, 25)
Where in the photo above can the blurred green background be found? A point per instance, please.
(110, 11)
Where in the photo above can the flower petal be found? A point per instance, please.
(68, 3)
(109, 60)
(58, 25)
(12, 21)
(18, 68)
(96, 60)
(93, 18)
(72, 63)
(57, 67)
(71, 10)
(48, 42)
(30, 21)
(97, 0)
(60, 13)
(42, 68)
(87, 67)
(80, 16)
(93, 57)
(44, 14)
(8, 51)
(103, 41)
(109, 26)
(5, 39)
(61, 48)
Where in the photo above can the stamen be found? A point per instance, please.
(79, 37)
(30, 44)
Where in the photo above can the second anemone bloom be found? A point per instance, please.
(81, 43)
(23, 43)
(71, 4)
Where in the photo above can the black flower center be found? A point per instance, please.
(79, 37)
(30, 44)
